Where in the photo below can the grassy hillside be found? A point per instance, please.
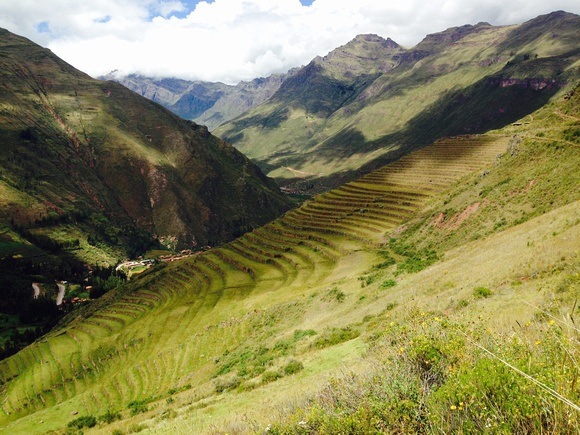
(416, 277)
(337, 118)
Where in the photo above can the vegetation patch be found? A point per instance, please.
(335, 336)
(335, 294)
(414, 259)
(388, 283)
(432, 376)
(84, 421)
(482, 292)
(138, 406)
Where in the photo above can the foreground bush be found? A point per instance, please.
(434, 377)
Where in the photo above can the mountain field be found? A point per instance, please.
(437, 293)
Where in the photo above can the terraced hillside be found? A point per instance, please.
(435, 278)
(173, 329)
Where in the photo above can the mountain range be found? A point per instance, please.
(206, 103)
(371, 101)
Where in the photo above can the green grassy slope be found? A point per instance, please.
(326, 128)
(233, 337)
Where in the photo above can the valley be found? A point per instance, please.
(279, 309)
(416, 272)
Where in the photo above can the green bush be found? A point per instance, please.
(138, 407)
(482, 292)
(270, 376)
(227, 384)
(293, 366)
(84, 421)
(388, 283)
(336, 336)
(109, 417)
(136, 428)
(335, 293)
(415, 259)
(299, 334)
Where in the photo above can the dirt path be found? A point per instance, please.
(299, 173)
(563, 115)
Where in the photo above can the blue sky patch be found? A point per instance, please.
(105, 19)
(43, 27)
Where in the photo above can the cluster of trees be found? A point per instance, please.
(47, 243)
(41, 313)
(104, 279)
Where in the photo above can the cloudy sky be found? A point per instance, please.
(233, 40)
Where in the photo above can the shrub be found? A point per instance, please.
(270, 376)
(388, 283)
(482, 292)
(84, 421)
(227, 384)
(138, 407)
(336, 293)
(109, 417)
(384, 264)
(299, 334)
(293, 366)
(336, 336)
(135, 428)
(367, 279)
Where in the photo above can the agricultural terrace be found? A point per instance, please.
(169, 329)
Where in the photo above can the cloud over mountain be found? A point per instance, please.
(233, 40)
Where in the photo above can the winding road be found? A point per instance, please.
(60, 296)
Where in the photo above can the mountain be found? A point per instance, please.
(91, 172)
(435, 294)
(371, 101)
(185, 98)
(206, 103)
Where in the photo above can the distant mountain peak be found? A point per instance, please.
(365, 54)
(372, 39)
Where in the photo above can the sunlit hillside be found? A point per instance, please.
(450, 276)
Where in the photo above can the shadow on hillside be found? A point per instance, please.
(271, 121)
(489, 104)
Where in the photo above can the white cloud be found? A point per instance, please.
(232, 40)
